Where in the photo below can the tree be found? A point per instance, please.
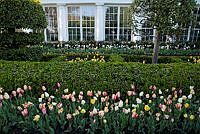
(21, 14)
(167, 17)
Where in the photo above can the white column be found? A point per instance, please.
(137, 35)
(189, 31)
(61, 22)
(100, 23)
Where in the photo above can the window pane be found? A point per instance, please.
(51, 15)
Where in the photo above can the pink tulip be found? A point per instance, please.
(132, 86)
(69, 116)
(175, 92)
(150, 87)
(43, 88)
(63, 96)
(180, 91)
(29, 87)
(59, 105)
(80, 97)
(169, 109)
(1, 97)
(44, 111)
(14, 93)
(56, 90)
(134, 93)
(134, 115)
(118, 95)
(20, 95)
(106, 98)
(154, 87)
(130, 93)
(49, 100)
(178, 106)
(104, 93)
(0, 104)
(113, 97)
(22, 91)
(25, 112)
(58, 84)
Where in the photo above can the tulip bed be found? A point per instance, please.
(67, 111)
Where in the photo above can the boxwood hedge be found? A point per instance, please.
(97, 76)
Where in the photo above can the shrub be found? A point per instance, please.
(98, 76)
(18, 14)
(116, 58)
(22, 54)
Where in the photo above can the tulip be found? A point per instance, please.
(118, 95)
(132, 86)
(99, 92)
(14, 93)
(83, 102)
(89, 93)
(147, 96)
(29, 87)
(66, 90)
(25, 87)
(58, 84)
(94, 121)
(192, 91)
(92, 101)
(129, 93)
(59, 105)
(141, 93)
(169, 109)
(180, 100)
(126, 101)
(44, 111)
(42, 96)
(101, 113)
(83, 111)
(92, 114)
(191, 87)
(80, 97)
(25, 112)
(50, 107)
(104, 93)
(56, 90)
(20, 95)
(146, 108)
(19, 108)
(1, 97)
(36, 118)
(134, 93)
(185, 115)
(190, 96)
(199, 110)
(106, 109)
(69, 116)
(186, 105)
(154, 87)
(63, 96)
(180, 91)
(192, 117)
(150, 101)
(43, 88)
(6, 96)
(60, 110)
(116, 108)
(120, 103)
(134, 115)
(1, 104)
(166, 117)
(150, 87)
(178, 106)
(154, 96)
(160, 92)
(113, 97)
(184, 97)
(18, 90)
(46, 94)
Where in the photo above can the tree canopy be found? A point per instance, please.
(22, 14)
(167, 17)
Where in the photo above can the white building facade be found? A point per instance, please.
(100, 20)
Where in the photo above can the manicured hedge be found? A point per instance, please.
(98, 76)
(22, 54)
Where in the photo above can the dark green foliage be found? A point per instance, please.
(22, 54)
(97, 76)
(22, 14)
(20, 39)
(116, 58)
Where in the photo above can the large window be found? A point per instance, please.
(116, 24)
(81, 22)
(52, 28)
(147, 32)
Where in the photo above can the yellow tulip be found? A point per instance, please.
(79, 108)
(192, 117)
(92, 101)
(83, 111)
(126, 101)
(134, 110)
(42, 96)
(146, 108)
(185, 115)
(186, 105)
(105, 121)
(37, 117)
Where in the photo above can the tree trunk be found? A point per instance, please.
(156, 48)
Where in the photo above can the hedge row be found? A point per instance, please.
(97, 76)
(116, 58)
